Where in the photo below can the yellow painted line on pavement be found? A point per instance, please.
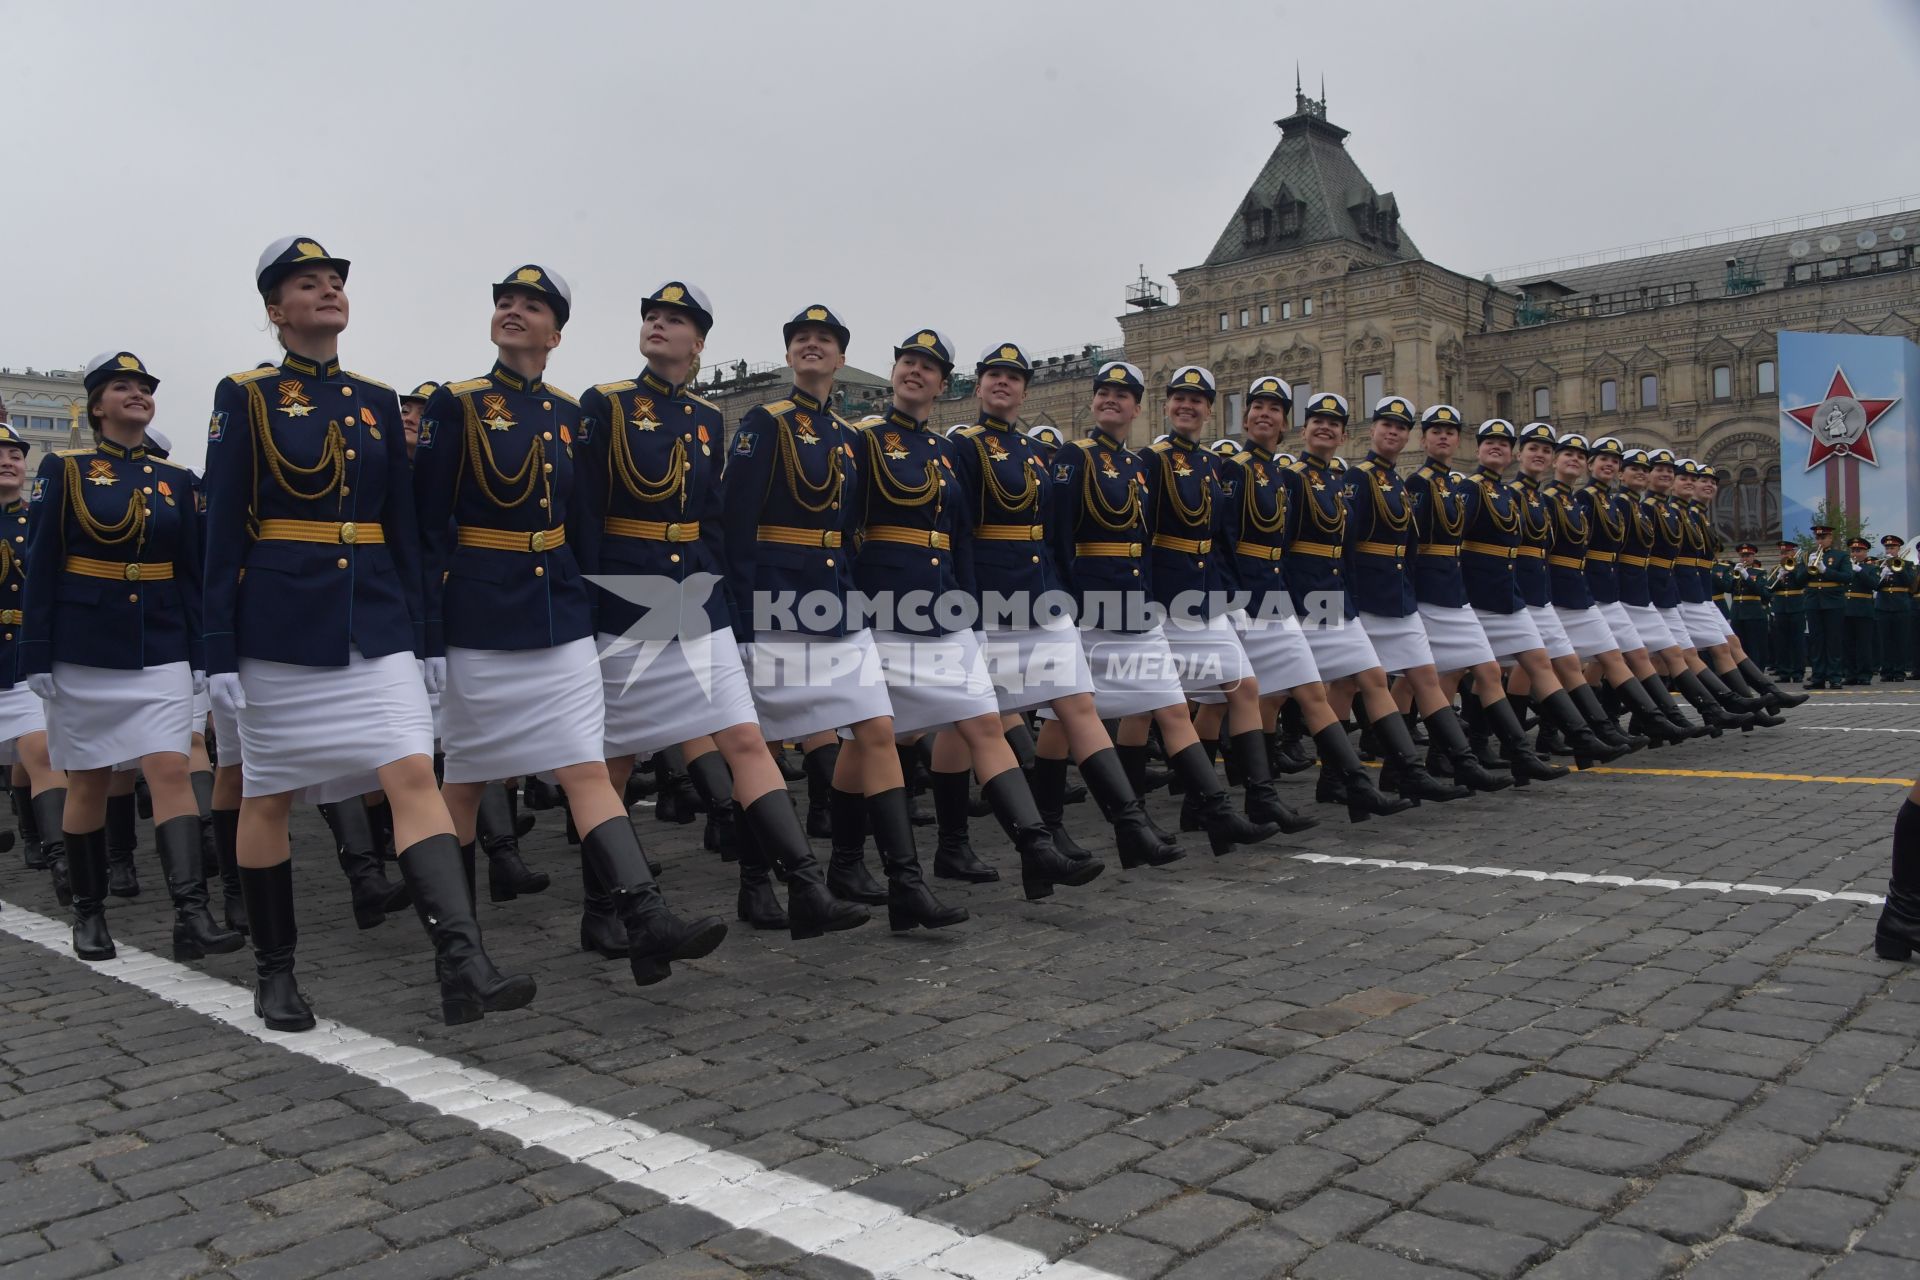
(1752, 777)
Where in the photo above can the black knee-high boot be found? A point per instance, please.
(774, 833)
(1599, 719)
(953, 855)
(123, 837)
(1412, 780)
(1588, 749)
(1296, 746)
(1111, 789)
(508, 876)
(1747, 698)
(201, 780)
(1225, 828)
(195, 934)
(50, 811)
(1777, 697)
(819, 764)
(1727, 696)
(276, 998)
(1662, 699)
(86, 860)
(1048, 778)
(1133, 760)
(373, 895)
(1449, 738)
(1473, 715)
(1712, 712)
(713, 783)
(1526, 767)
(1646, 719)
(1898, 933)
(1042, 865)
(1345, 780)
(910, 903)
(1190, 800)
(600, 928)
(226, 848)
(32, 846)
(847, 874)
(470, 985)
(1020, 742)
(1263, 798)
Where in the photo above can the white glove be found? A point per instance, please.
(42, 685)
(199, 683)
(434, 672)
(225, 692)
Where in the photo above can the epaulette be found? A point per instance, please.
(835, 415)
(1160, 446)
(564, 396)
(971, 431)
(1084, 442)
(467, 384)
(252, 375)
(1298, 466)
(701, 400)
(361, 377)
(615, 388)
(777, 408)
(72, 453)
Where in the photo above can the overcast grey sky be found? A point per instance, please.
(994, 169)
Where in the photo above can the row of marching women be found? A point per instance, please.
(419, 598)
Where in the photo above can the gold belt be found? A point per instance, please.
(1192, 546)
(1851, 595)
(120, 571)
(908, 537)
(10, 617)
(1601, 557)
(1393, 549)
(1490, 549)
(1788, 591)
(1439, 549)
(653, 530)
(1566, 562)
(793, 537)
(1638, 562)
(1011, 533)
(1127, 549)
(1659, 562)
(1747, 599)
(508, 540)
(323, 531)
(1315, 549)
(1531, 552)
(1255, 551)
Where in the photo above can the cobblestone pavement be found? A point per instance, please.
(1239, 1067)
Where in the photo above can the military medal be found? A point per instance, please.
(805, 434)
(293, 399)
(895, 450)
(643, 418)
(100, 471)
(497, 419)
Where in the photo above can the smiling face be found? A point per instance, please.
(1187, 412)
(1536, 458)
(125, 401)
(1570, 467)
(1114, 409)
(917, 379)
(1495, 454)
(1635, 478)
(1265, 422)
(1323, 435)
(13, 468)
(1002, 391)
(524, 325)
(1387, 438)
(1605, 467)
(1662, 479)
(1440, 442)
(309, 302)
(815, 351)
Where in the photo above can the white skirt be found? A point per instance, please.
(1704, 623)
(1208, 656)
(1626, 636)
(1587, 630)
(1133, 671)
(1340, 648)
(308, 726)
(1651, 628)
(1400, 643)
(226, 735)
(803, 685)
(1277, 648)
(664, 692)
(514, 711)
(101, 718)
(1677, 627)
(1455, 636)
(1552, 635)
(20, 714)
(202, 708)
(1509, 633)
(935, 681)
(1031, 666)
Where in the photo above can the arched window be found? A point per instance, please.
(1748, 510)
(1763, 378)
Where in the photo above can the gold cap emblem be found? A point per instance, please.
(672, 293)
(1116, 374)
(129, 362)
(816, 313)
(926, 338)
(1193, 375)
(308, 249)
(527, 275)
(1445, 415)
(1009, 353)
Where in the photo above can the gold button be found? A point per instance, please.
(349, 532)
(546, 404)
(688, 409)
(829, 562)
(675, 557)
(1036, 559)
(1136, 573)
(546, 435)
(351, 455)
(148, 489)
(131, 573)
(543, 502)
(836, 504)
(1199, 564)
(539, 571)
(344, 491)
(934, 560)
(341, 562)
(148, 470)
(546, 466)
(8, 636)
(346, 391)
(134, 599)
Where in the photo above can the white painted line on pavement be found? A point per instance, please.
(849, 1228)
(1611, 881)
(1852, 728)
(1827, 705)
